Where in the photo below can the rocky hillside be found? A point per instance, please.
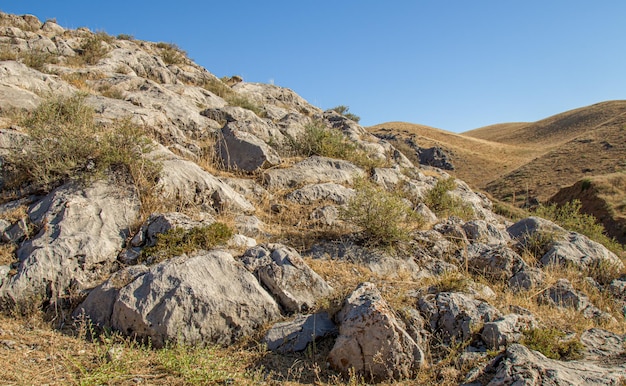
(195, 230)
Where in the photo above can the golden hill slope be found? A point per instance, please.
(477, 161)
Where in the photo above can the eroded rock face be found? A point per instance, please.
(506, 330)
(311, 194)
(372, 340)
(241, 150)
(456, 315)
(81, 232)
(282, 270)
(206, 298)
(313, 170)
(496, 263)
(522, 366)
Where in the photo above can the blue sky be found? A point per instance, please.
(451, 64)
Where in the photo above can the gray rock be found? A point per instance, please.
(522, 366)
(496, 263)
(480, 231)
(250, 226)
(326, 215)
(188, 184)
(243, 151)
(435, 156)
(388, 177)
(506, 330)
(82, 231)
(579, 250)
(455, 315)
(563, 294)
(207, 298)
(329, 191)
(603, 345)
(425, 212)
(286, 275)
(372, 341)
(526, 279)
(295, 335)
(98, 305)
(313, 170)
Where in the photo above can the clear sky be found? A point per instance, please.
(451, 64)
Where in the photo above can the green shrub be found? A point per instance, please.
(443, 204)
(317, 139)
(384, 217)
(570, 217)
(550, 342)
(125, 37)
(178, 241)
(65, 144)
(93, 48)
(344, 110)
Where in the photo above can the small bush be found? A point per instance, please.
(550, 342)
(171, 53)
(178, 241)
(452, 281)
(65, 144)
(38, 59)
(317, 139)
(439, 200)
(125, 37)
(384, 217)
(344, 110)
(218, 88)
(94, 48)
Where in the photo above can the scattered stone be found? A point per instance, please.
(506, 330)
(372, 341)
(295, 335)
(241, 150)
(455, 315)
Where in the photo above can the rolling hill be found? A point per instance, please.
(525, 163)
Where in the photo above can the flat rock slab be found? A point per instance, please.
(295, 335)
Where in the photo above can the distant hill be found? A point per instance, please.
(528, 162)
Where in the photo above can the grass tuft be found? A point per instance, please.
(551, 342)
(178, 241)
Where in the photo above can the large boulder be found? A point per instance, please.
(206, 298)
(313, 170)
(186, 183)
(329, 191)
(372, 341)
(81, 231)
(563, 247)
(282, 270)
(241, 150)
(522, 366)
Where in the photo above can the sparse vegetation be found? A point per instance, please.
(65, 144)
(94, 48)
(171, 53)
(440, 201)
(553, 343)
(320, 140)
(345, 111)
(570, 217)
(178, 241)
(384, 217)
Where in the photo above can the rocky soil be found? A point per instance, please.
(461, 296)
